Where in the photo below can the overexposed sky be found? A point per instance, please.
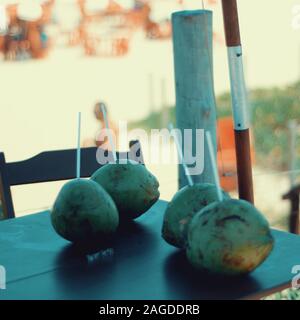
(271, 45)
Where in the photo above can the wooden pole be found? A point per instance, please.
(195, 99)
(293, 147)
(239, 100)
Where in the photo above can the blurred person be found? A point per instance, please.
(46, 26)
(32, 40)
(25, 37)
(12, 40)
(101, 137)
(13, 33)
(3, 27)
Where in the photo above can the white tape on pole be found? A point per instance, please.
(238, 88)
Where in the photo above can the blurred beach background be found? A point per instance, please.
(40, 98)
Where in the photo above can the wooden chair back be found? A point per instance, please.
(52, 166)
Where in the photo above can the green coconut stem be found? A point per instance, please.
(214, 165)
(78, 156)
(180, 155)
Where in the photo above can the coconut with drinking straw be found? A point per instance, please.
(133, 188)
(228, 237)
(83, 211)
(186, 203)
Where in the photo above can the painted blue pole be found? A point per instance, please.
(195, 98)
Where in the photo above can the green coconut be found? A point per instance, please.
(181, 209)
(229, 238)
(133, 188)
(84, 212)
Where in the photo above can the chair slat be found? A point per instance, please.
(53, 166)
(5, 192)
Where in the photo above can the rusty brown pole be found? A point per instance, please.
(239, 100)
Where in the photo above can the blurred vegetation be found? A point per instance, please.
(271, 110)
(289, 294)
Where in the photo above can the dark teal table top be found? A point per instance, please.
(41, 265)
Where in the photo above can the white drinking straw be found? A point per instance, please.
(180, 155)
(110, 138)
(214, 165)
(78, 146)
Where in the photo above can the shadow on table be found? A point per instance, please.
(78, 271)
(186, 282)
(84, 271)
